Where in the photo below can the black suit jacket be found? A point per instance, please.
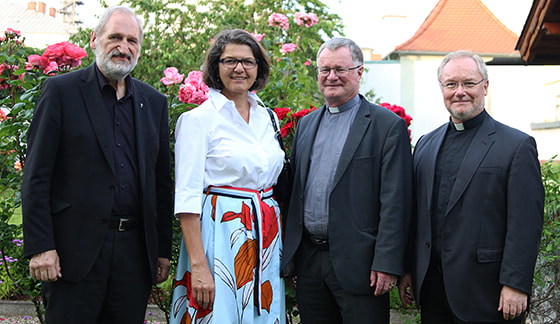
(69, 179)
(492, 227)
(370, 201)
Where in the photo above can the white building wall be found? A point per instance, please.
(517, 96)
(384, 78)
(521, 95)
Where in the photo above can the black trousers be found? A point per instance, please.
(322, 299)
(434, 306)
(116, 290)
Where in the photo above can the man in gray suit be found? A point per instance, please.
(345, 227)
(479, 208)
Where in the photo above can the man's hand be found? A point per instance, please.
(405, 291)
(383, 282)
(45, 266)
(512, 302)
(163, 268)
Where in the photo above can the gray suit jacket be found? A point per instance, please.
(370, 201)
(493, 223)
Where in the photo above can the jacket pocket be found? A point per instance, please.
(488, 255)
(58, 206)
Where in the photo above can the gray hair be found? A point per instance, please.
(335, 43)
(118, 9)
(460, 54)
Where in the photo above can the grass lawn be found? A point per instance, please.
(16, 217)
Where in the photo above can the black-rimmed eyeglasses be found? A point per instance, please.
(231, 63)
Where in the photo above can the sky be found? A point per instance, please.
(377, 24)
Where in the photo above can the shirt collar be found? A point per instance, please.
(220, 101)
(354, 102)
(103, 81)
(471, 123)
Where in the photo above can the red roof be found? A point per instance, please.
(461, 25)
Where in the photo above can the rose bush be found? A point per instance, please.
(176, 44)
(20, 88)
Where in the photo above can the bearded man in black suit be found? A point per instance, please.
(97, 189)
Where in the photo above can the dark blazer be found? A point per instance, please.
(370, 200)
(69, 179)
(493, 223)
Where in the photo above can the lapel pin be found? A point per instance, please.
(141, 105)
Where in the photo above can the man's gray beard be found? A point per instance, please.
(113, 71)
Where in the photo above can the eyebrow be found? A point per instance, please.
(122, 36)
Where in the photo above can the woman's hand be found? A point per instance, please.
(203, 290)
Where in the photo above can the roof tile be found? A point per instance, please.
(461, 24)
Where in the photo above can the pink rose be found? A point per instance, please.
(309, 19)
(6, 74)
(278, 20)
(307, 63)
(36, 61)
(65, 54)
(199, 97)
(13, 31)
(288, 48)
(195, 78)
(189, 94)
(3, 116)
(52, 66)
(172, 76)
(258, 37)
(194, 90)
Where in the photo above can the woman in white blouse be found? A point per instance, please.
(227, 158)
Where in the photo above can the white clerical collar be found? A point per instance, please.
(459, 127)
(354, 102)
(334, 110)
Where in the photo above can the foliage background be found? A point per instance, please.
(178, 35)
(175, 35)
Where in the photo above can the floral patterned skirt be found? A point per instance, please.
(241, 237)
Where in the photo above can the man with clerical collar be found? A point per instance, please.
(351, 199)
(479, 209)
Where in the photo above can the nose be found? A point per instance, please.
(123, 49)
(460, 91)
(332, 74)
(238, 67)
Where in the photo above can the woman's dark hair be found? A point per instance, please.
(210, 70)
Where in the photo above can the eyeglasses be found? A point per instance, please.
(452, 85)
(231, 63)
(338, 71)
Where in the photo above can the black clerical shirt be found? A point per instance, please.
(457, 140)
(122, 130)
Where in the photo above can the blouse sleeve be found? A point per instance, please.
(191, 145)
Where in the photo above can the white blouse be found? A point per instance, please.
(215, 146)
